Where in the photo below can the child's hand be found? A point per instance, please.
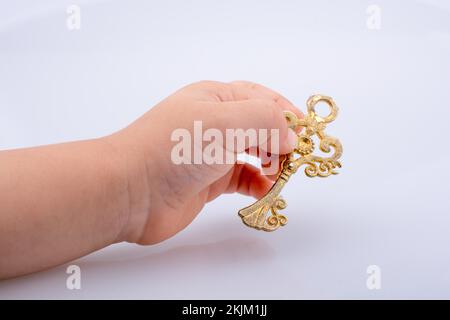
(165, 197)
(60, 202)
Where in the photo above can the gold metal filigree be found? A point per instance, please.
(257, 215)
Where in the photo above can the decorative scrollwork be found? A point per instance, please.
(276, 219)
(321, 167)
(256, 215)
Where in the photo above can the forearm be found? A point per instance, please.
(60, 202)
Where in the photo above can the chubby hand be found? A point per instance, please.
(63, 201)
(166, 195)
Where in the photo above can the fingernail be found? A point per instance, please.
(292, 139)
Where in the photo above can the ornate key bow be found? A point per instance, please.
(257, 215)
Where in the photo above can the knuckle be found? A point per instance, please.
(245, 83)
(204, 83)
(210, 85)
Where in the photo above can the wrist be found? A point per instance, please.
(131, 158)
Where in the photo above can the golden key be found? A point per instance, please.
(257, 215)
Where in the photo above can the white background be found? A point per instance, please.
(389, 206)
